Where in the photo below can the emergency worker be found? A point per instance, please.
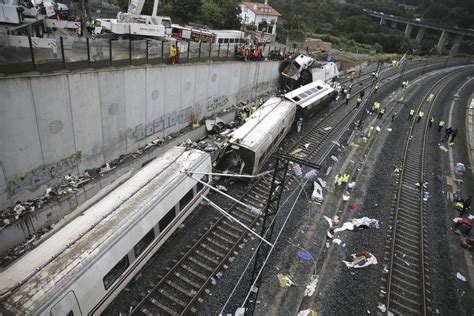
(420, 116)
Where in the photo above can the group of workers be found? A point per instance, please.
(341, 180)
(245, 53)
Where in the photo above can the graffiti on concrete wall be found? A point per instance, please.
(210, 104)
(159, 124)
(43, 175)
(248, 91)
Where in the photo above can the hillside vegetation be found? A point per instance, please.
(346, 22)
(341, 22)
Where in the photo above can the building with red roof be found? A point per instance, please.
(262, 15)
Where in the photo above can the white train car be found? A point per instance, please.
(82, 267)
(312, 97)
(252, 143)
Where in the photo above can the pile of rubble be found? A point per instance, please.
(69, 185)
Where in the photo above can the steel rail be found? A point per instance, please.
(406, 290)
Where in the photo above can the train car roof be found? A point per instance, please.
(75, 245)
(310, 93)
(262, 123)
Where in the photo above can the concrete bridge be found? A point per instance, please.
(422, 26)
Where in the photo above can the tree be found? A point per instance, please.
(294, 28)
(186, 10)
(212, 14)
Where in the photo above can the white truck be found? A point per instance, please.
(20, 11)
(134, 23)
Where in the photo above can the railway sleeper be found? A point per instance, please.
(410, 240)
(232, 226)
(406, 302)
(409, 234)
(179, 288)
(172, 298)
(202, 265)
(217, 244)
(403, 286)
(163, 307)
(212, 250)
(146, 312)
(194, 272)
(405, 271)
(225, 231)
(262, 191)
(186, 280)
(219, 236)
(242, 214)
(408, 248)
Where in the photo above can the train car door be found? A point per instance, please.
(67, 306)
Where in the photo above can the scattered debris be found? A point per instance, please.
(336, 241)
(461, 277)
(334, 158)
(307, 312)
(346, 196)
(443, 148)
(304, 255)
(317, 194)
(322, 182)
(327, 128)
(358, 224)
(309, 291)
(382, 307)
(296, 151)
(336, 143)
(467, 244)
(306, 145)
(460, 168)
(389, 129)
(284, 281)
(221, 187)
(463, 226)
(361, 260)
(426, 196)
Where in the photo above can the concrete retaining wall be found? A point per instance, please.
(28, 225)
(57, 124)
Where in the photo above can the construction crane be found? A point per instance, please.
(134, 23)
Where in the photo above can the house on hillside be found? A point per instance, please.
(263, 16)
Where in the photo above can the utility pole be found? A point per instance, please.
(273, 203)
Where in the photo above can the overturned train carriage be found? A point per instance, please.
(312, 97)
(254, 142)
(83, 266)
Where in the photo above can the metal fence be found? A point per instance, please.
(24, 53)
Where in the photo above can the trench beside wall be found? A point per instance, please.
(52, 125)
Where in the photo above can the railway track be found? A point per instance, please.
(184, 285)
(406, 285)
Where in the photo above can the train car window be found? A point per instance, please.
(116, 272)
(166, 220)
(226, 40)
(186, 199)
(143, 243)
(220, 41)
(70, 313)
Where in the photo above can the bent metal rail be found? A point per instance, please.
(183, 285)
(407, 282)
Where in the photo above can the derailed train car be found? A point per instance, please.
(312, 97)
(254, 142)
(82, 267)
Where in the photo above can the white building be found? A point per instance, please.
(262, 15)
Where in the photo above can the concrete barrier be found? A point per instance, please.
(69, 205)
(52, 125)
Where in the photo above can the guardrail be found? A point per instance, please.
(20, 54)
